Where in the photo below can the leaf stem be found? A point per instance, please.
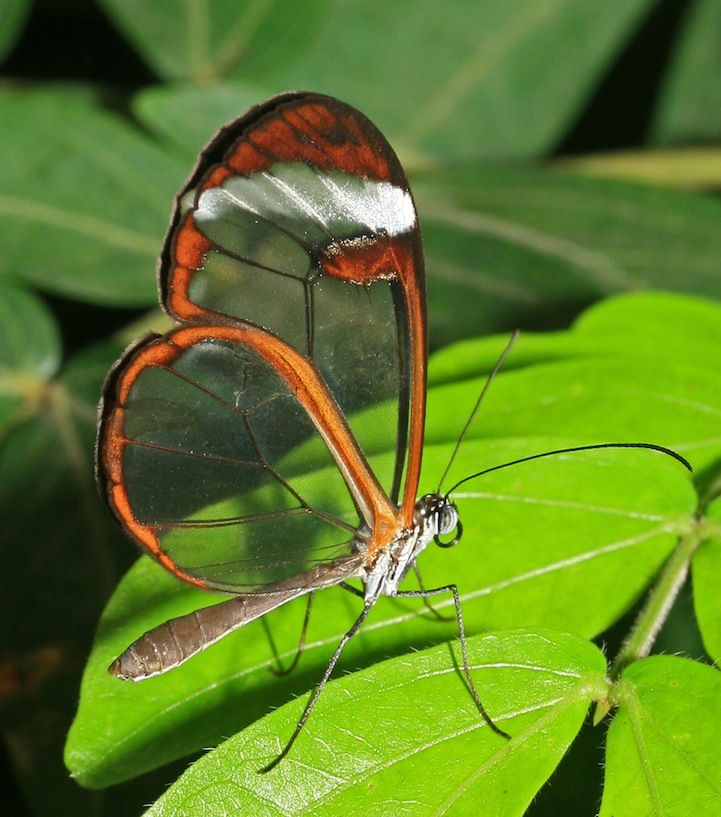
(652, 617)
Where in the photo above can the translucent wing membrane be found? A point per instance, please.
(234, 509)
(299, 220)
(231, 448)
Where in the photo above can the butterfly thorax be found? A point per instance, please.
(433, 516)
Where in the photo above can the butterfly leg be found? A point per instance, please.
(319, 688)
(424, 596)
(451, 588)
(354, 590)
(280, 671)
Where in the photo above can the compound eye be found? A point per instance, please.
(458, 533)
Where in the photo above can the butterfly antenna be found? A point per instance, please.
(651, 446)
(477, 406)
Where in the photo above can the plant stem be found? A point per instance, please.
(658, 605)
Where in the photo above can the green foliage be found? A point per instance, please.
(658, 744)
(556, 551)
(87, 191)
(391, 752)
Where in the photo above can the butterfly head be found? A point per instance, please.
(439, 517)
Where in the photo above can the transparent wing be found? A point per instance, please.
(205, 449)
(298, 219)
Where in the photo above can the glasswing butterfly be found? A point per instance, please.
(234, 448)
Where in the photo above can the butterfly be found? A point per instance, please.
(293, 267)
(235, 448)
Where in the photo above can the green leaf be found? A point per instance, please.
(206, 41)
(603, 381)
(662, 756)
(485, 67)
(631, 325)
(29, 354)
(637, 324)
(689, 109)
(377, 734)
(487, 89)
(568, 542)
(525, 245)
(29, 339)
(12, 19)
(506, 244)
(164, 110)
(57, 548)
(85, 200)
(706, 576)
(684, 167)
(634, 325)
(623, 402)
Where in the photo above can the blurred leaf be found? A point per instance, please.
(29, 340)
(85, 200)
(706, 576)
(663, 755)
(489, 64)
(13, 14)
(206, 41)
(569, 541)
(508, 246)
(56, 546)
(487, 89)
(516, 247)
(164, 110)
(425, 745)
(29, 354)
(689, 109)
(682, 167)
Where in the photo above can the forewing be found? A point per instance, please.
(299, 219)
